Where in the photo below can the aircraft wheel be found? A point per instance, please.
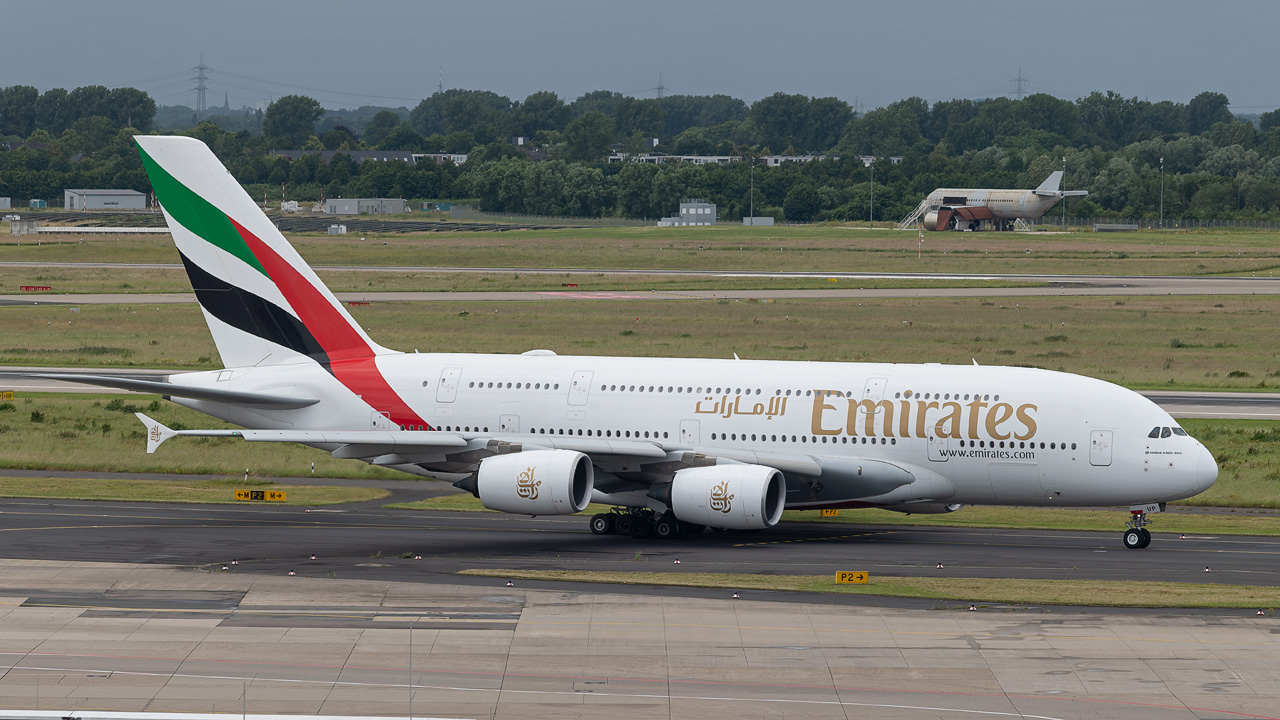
(1146, 537)
(641, 528)
(622, 525)
(666, 529)
(602, 524)
(1133, 538)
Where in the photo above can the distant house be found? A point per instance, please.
(358, 155)
(664, 159)
(776, 160)
(104, 200)
(692, 213)
(455, 158)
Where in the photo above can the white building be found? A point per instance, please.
(692, 213)
(455, 158)
(104, 200)
(776, 160)
(365, 206)
(5, 204)
(662, 159)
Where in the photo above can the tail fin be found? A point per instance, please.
(263, 304)
(1051, 183)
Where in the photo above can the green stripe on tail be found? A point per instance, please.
(196, 214)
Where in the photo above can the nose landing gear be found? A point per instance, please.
(1137, 536)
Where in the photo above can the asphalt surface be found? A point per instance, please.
(369, 542)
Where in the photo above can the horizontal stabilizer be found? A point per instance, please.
(168, 389)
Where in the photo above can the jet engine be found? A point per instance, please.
(737, 497)
(536, 482)
(924, 508)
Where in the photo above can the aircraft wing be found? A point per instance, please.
(624, 464)
(168, 389)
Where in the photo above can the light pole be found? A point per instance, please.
(1162, 194)
(753, 190)
(1064, 189)
(870, 161)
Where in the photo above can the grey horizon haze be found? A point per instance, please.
(390, 52)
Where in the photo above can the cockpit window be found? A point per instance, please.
(1165, 432)
(1155, 433)
(1179, 431)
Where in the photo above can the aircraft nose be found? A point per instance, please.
(1206, 470)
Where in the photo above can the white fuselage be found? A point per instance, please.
(985, 435)
(1003, 204)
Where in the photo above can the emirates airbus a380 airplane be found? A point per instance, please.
(675, 445)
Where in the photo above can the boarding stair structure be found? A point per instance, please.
(925, 206)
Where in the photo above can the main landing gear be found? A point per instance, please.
(642, 523)
(1137, 536)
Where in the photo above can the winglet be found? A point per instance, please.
(157, 433)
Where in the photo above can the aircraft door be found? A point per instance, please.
(509, 423)
(874, 389)
(1100, 447)
(447, 389)
(580, 388)
(380, 421)
(689, 431)
(938, 446)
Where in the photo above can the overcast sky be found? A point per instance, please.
(390, 53)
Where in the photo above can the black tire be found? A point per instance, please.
(622, 525)
(1133, 538)
(666, 529)
(602, 524)
(1146, 537)
(641, 528)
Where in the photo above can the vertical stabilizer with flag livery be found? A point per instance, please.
(264, 305)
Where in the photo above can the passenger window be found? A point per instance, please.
(1165, 432)
(1155, 433)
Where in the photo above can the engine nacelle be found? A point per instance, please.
(931, 220)
(924, 508)
(536, 482)
(738, 497)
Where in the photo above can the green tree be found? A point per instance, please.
(802, 204)
(1269, 120)
(1205, 110)
(402, 137)
(540, 111)
(381, 126)
(18, 110)
(588, 136)
(603, 101)
(292, 119)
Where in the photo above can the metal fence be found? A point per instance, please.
(1049, 223)
(466, 212)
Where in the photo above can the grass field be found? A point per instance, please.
(1014, 591)
(178, 491)
(1182, 342)
(92, 433)
(823, 248)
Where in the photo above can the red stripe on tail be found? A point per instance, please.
(351, 360)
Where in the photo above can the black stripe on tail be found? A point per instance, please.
(254, 315)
